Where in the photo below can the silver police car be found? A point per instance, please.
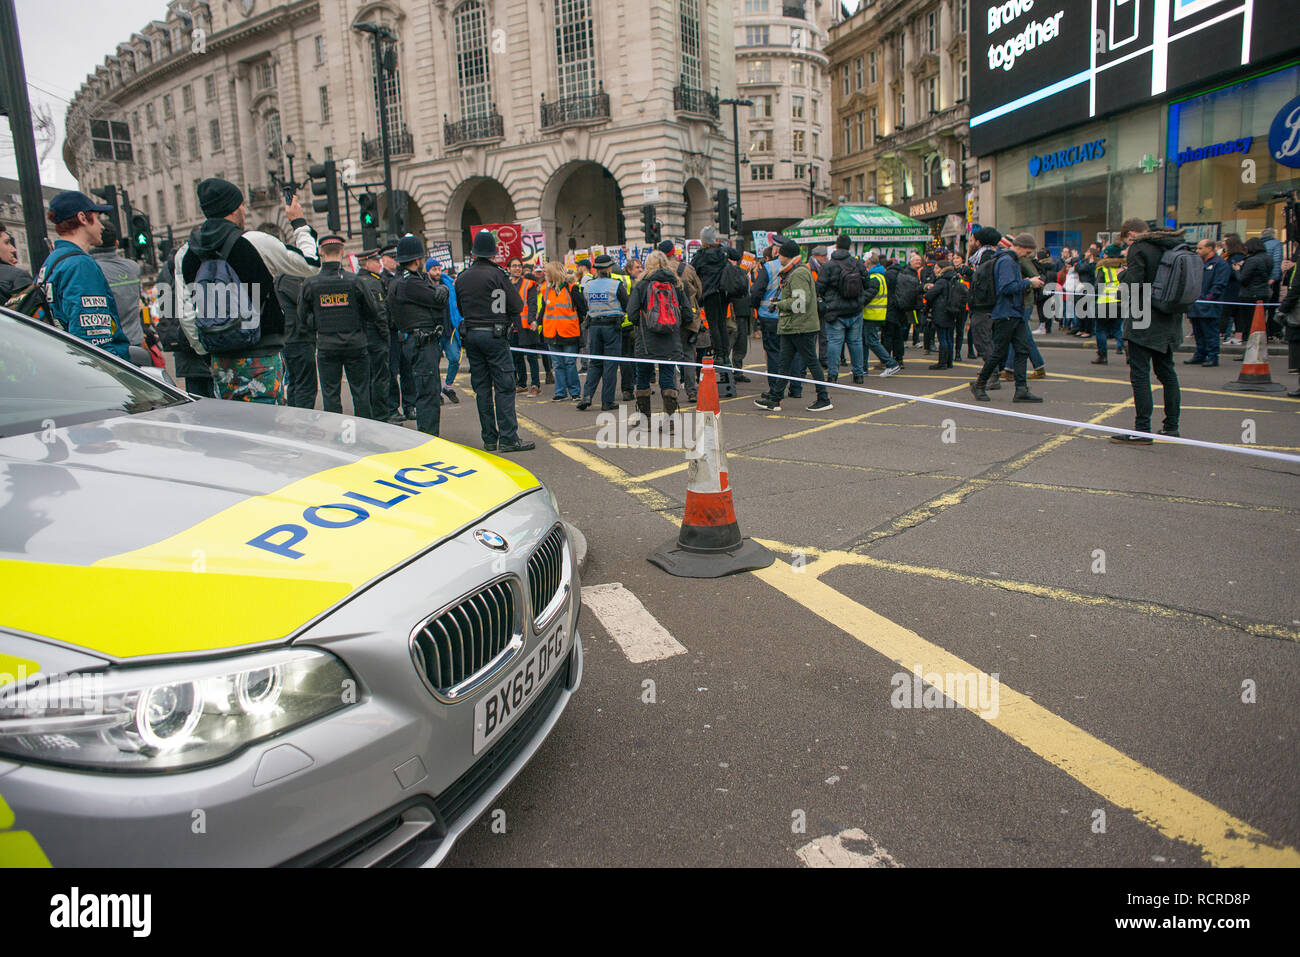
(234, 634)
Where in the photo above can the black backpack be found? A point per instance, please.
(983, 289)
(734, 282)
(906, 292)
(851, 282)
(34, 300)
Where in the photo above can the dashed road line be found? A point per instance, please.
(628, 622)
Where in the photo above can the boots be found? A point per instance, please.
(670, 407)
(643, 405)
(977, 389)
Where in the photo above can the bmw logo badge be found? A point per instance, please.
(491, 539)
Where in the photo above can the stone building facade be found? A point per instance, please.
(781, 65)
(900, 102)
(568, 115)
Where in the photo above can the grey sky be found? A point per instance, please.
(63, 42)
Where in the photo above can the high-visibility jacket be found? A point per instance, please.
(560, 320)
(874, 311)
(626, 280)
(1109, 291)
(525, 289)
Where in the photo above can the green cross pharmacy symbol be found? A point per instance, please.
(1149, 164)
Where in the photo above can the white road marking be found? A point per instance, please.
(851, 848)
(637, 631)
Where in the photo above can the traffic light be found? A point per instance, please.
(324, 182)
(142, 237)
(650, 225)
(369, 220)
(398, 200)
(109, 195)
(722, 211)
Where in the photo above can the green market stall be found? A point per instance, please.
(877, 229)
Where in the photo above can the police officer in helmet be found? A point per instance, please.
(371, 277)
(340, 311)
(491, 308)
(417, 309)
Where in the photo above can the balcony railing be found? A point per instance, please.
(473, 129)
(688, 99)
(399, 144)
(576, 110)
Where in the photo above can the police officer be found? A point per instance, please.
(417, 311)
(606, 310)
(401, 390)
(340, 309)
(299, 344)
(491, 308)
(371, 279)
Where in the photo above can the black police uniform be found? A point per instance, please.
(299, 344)
(417, 310)
(401, 389)
(377, 347)
(339, 308)
(491, 306)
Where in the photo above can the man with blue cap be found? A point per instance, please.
(75, 286)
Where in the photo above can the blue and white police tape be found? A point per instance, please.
(965, 406)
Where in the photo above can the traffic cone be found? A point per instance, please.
(709, 544)
(1254, 375)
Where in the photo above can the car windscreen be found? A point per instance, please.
(47, 378)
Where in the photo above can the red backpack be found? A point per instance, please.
(661, 308)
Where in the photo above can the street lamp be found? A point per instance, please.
(289, 154)
(735, 104)
(812, 190)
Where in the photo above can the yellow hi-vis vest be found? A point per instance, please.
(874, 311)
(1109, 291)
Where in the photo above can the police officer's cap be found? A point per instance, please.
(408, 247)
(388, 251)
(484, 245)
(603, 261)
(368, 254)
(332, 240)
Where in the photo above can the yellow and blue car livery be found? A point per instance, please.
(245, 635)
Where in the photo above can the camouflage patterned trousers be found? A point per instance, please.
(252, 379)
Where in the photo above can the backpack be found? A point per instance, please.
(851, 282)
(906, 292)
(734, 282)
(984, 292)
(34, 300)
(226, 319)
(661, 308)
(958, 297)
(1177, 283)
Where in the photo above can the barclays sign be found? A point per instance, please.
(1061, 159)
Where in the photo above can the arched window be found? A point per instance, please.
(472, 60)
(392, 94)
(932, 174)
(575, 52)
(271, 133)
(689, 31)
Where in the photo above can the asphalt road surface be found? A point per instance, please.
(1121, 622)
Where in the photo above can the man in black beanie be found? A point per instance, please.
(983, 294)
(250, 370)
(491, 307)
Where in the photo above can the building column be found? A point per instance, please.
(946, 15)
(246, 137)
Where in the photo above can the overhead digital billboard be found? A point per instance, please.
(1038, 66)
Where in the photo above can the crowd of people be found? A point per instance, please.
(311, 321)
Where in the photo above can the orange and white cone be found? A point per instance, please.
(1254, 375)
(709, 544)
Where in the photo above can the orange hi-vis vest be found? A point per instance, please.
(560, 320)
(525, 289)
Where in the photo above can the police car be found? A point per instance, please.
(234, 634)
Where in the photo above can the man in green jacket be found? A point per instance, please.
(797, 326)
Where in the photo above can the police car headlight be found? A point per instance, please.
(550, 497)
(169, 717)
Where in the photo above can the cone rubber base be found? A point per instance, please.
(675, 560)
(1237, 386)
